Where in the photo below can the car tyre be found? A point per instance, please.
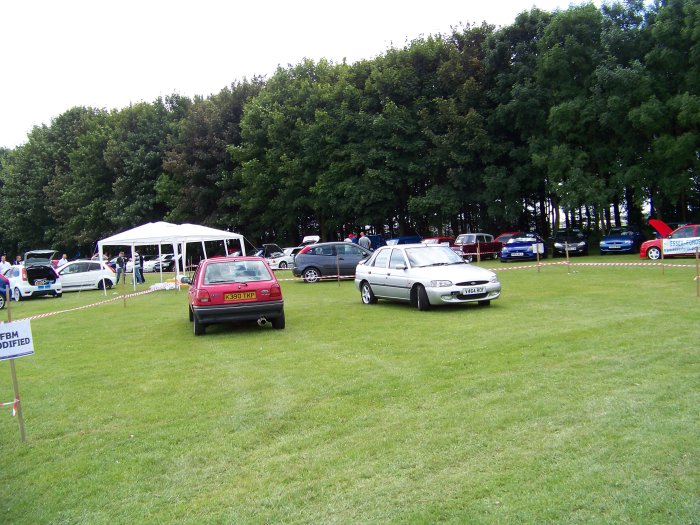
(2, 301)
(189, 310)
(311, 275)
(422, 301)
(283, 265)
(278, 323)
(485, 302)
(654, 253)
(367, 294)
(57, 295)
(16, 294)
(199, 328)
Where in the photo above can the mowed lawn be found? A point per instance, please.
(574, 398)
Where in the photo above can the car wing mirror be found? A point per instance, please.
(400, 266)
(186, 280)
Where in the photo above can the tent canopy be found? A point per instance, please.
(167, 233)
(177, 235)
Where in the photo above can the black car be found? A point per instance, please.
(328, 259)
(572, 240)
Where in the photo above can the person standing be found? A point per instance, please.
(4, 264)
(364, 241)
(142, 279)
(63, 260)
(121, 267)
(135, 268)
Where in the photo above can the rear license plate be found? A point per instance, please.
(238, 296)
(40, 282)
(473, 290)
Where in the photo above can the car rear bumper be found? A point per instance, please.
(239, 312)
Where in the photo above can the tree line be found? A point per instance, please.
(586, 117)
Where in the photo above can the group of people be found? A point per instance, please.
(122, 259)
(363, 240)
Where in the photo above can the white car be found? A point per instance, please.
(424, 275)
(34, 278)
(84, 275)
(276, 257)
(149, 264)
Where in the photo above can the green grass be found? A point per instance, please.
(572, 399)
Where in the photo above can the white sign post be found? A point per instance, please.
(16, 341)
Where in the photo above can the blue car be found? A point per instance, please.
(4, 287)
(621, 240)
(524, 247)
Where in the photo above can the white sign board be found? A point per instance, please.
(16, 339)
(538, 248)
(676, 246)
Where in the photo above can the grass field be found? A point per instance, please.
(574, 398)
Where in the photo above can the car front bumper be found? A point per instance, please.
(456, 295)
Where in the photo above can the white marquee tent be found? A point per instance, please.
(175, 235)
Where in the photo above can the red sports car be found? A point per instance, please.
(229, 289)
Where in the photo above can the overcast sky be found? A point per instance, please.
(57, 54)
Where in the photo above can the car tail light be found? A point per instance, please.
(203, 296)
(276, 290)
(304, 249)
(24, 274)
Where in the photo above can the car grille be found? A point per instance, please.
(471, 283)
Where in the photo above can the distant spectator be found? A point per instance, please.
(364, 241)
(4, 265)
(350, 237)
(18, 259)
(121, 267)
(63, 260)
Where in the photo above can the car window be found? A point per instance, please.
(93, 266)
(380, 261)
(322, 250)
(396, 259)
(684, 233)
(236, 271)
(350, 249)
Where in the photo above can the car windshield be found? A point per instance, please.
(466, 238)
(522, 238)
(620, 232)
(432, 256)
(236, 271)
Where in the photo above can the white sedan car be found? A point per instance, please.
(276, 257)
(84, 275)
(424, 276)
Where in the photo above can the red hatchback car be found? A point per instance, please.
(230, 289)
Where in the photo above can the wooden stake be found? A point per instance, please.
(15, 386)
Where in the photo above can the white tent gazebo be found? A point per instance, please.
(176, 235)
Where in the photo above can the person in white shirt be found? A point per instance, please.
(4, 265)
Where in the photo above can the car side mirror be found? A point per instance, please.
(186, 280)
(400, 266)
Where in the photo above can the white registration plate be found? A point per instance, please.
(473, 290)
(517, 254)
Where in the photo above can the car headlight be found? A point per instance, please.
(627, 242)
(582, 244)
(558, 245)
(440, 284)
(603, 243)
(493, 278)
(504, 250)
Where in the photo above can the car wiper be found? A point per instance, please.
(439, 264)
